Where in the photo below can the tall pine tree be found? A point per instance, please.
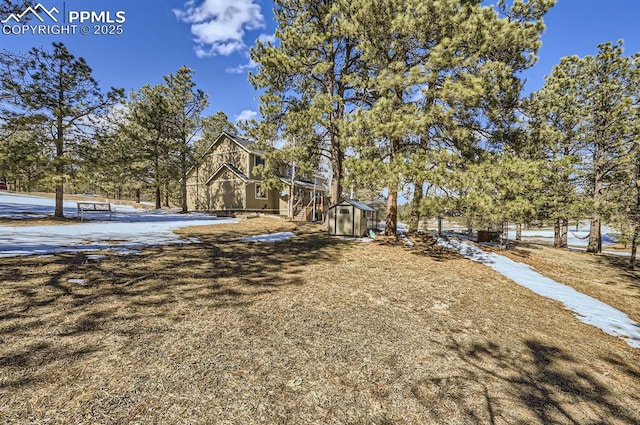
(56, 89)
(304, 79)
(186, 104)
(436, 76)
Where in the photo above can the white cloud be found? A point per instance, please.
(242, 68)
(219, 25)
(266, 38)
(224, 49)
(246, 115)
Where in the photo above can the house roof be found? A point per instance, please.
(307, 185)
(249, 145)
(245, 144)
(357, 204)
(231, 168)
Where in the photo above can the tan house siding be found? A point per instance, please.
(253, 174)
(201, 196)
(193, 192)
(283, 204)
(226, 192)
(226, 151)
(226, 179)
(255, 203)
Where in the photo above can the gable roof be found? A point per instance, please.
(245, 144)
(230, 167)
(357, 204)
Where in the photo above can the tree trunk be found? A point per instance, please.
(59, 161)
(137, 196)
(560, 233)
(634, 244)
(414, 223)
(158, 197)
(166, 195)
(519, 231)
(595, 237)
(59, 210)
(391, 222)
(183, 194)
(636, 229)
(183, 182)
(156, 177)
(336, 92)
(337, 156)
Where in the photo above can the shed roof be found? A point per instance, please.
(360, 205)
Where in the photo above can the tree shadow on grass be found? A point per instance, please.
(631, 370)
(422, 244)
(621, 264)
(42, 311)
(545, 382)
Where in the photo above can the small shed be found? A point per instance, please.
(349, 218)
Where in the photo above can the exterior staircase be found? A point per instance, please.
(303, 212)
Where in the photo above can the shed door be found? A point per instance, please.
(344, 220)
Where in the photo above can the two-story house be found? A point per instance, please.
(226, 180)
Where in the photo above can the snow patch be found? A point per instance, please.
(271, 237)
(587, 309)
(96, 257)
(579, 238)
(130, 230)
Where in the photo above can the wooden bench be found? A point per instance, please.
(91, 207)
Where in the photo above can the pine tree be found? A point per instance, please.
(304, 79)
(55, 89)
(116, 159)
(149, 127)
(213, 126)
(436, 75)
(24, 158)
(553, 120)
(633, 209)
(585, 117)
(606, 107)
(185, 122)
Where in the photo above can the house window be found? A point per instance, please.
(258, 160)
(261, 192)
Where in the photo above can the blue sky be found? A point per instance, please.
(213, 37)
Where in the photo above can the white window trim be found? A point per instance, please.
(266, 193)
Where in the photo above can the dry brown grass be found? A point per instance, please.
(603, 276)
(40, 221)
(310, 330)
